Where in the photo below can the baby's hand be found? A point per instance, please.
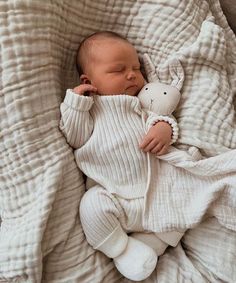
(82, 89)
(158, 139)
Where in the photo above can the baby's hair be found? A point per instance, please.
(87, 43)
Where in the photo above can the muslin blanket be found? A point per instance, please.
(41, 239)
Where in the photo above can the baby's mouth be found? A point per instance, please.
(131, 86)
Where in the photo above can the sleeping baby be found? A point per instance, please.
(116, 143)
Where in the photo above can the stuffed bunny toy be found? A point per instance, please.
(163, 98)
(159, 97)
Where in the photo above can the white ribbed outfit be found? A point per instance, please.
(106, 132)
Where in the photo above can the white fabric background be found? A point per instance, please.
(40, 186)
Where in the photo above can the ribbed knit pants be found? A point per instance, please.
(106, 219)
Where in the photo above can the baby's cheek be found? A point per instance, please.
(141, 81)
(111, 87)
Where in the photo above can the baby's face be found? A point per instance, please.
(115, 68)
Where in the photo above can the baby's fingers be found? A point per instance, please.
(163, 150)
(92, 88)
(150, 146)
(147, 142)
(157, 148)
(84, 88)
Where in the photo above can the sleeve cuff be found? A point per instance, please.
(78, 102)
(169, 120)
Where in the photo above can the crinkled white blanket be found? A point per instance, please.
(41, 239)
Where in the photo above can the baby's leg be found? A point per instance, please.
(100, 213)
(99, 216)
(159, 241)
(171, 238)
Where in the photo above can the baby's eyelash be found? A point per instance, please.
(121, 69)
(115, 71)
(118, 70)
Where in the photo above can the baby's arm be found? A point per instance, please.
(162, 131)
(76, 122)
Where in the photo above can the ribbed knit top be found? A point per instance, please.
(106, 132)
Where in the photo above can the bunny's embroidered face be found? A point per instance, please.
(159, 98)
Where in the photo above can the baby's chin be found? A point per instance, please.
(132, 91)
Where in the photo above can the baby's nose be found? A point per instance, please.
(131, 75)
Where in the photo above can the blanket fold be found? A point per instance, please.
(190, 190)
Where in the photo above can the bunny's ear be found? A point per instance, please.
(149, 68)
(177, 73)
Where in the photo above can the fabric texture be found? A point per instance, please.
(106, 138)
(134, 266)
(192, 190)
(110, 155)
(41, 239)
(103, 214)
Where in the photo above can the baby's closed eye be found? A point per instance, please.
(136, 68)
(116, 69)
(122, 68)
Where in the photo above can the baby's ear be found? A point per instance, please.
(84, 79)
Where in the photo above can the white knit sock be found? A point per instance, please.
(152, 241)
(115, 244)
(137, 261)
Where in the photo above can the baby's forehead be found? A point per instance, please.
(100, 45)
(111, 44)
(99, 50)
(94, 44)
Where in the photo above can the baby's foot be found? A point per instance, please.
(137, 261)
(152, 241)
